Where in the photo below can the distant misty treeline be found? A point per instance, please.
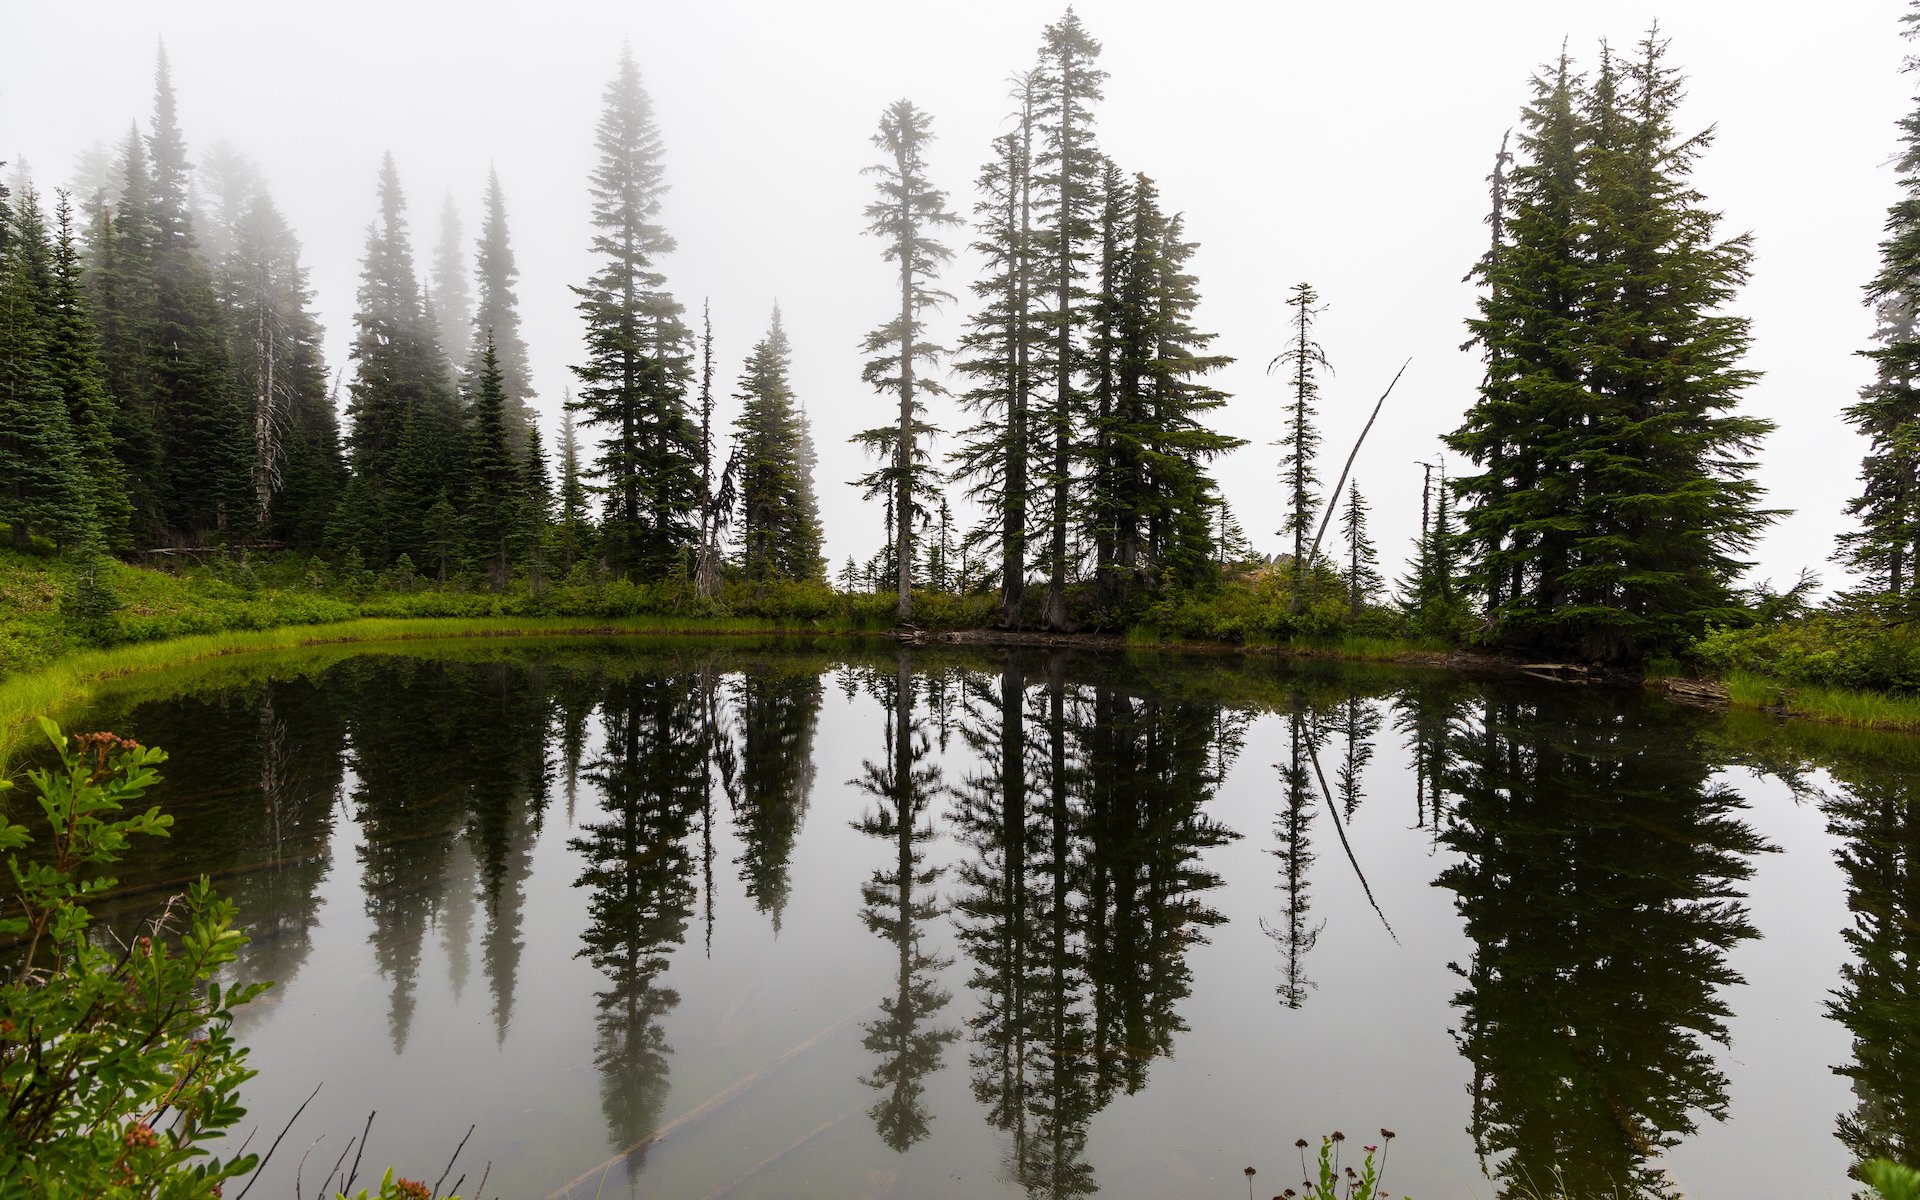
(161, 384)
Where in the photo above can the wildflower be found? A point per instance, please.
(1387, 1134)
(412, 1189)
(1301, 1143)
(1369, 1149)
(1338, 1136)
(140, 1136)
(1249, 1172)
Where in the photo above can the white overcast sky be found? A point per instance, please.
(1345, 144)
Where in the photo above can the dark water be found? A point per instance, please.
(842, 922)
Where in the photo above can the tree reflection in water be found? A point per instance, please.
(897, 900)
(1599, 879)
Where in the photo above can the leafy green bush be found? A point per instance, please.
(1836, 650)
(116, 1062)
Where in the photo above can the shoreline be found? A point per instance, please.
(74, 678)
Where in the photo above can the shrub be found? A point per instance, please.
(117, 1062)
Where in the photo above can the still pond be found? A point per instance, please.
(721, 918)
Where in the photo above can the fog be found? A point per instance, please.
(1345, 145)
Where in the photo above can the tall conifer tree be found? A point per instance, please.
(633, 386)
(779, 519)
(1067, 173)
(999, 345)
(452, 295)
(1614, 499)
(908, 211)
(1301, 441)
(407, 428)
(498, 314)
(1886, 547)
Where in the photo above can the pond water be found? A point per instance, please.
(713, 918)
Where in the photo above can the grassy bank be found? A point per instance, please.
(75, 678)
(1855, 708)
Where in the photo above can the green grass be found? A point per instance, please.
(1852, 707)
(76, 677)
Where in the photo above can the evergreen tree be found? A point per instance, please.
(495, 515)
(633, 384)
(1363, 574)
(908, 210)
(406, 417)
(1153, 497)
(43, 484)
(780, 521)
(1301, 441)
(994, 455)
(498, 315)
(538, 507)
(73, 357)
(1614, 496)
(204, 442)
(1431, 590)
(297, 470)
(120, 282)
(573, 530)
(1066, 175)
(452, 297)
(1888, 411)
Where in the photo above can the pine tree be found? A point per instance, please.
(1614, 498)
(908, 211)
(779, 518)
(573, 532)
(1160, 402)
(120, 284)
(495, 516)
(994, 456)
(73, 357)
(44, 488)
(498, 314)
(1886, 547)
(297, 470)
(406, 417)
(204, 441)
(1301, 441)
(452, 297)
(1363, 574)
(1067, 175)
(538, 507)
(633, 385)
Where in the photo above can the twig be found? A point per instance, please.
(262, 1164)
(450, 1162)
(1334, 496)
(301, 1169)
(335, 1170)
(364, 1133)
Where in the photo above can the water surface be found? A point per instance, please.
(712, 918)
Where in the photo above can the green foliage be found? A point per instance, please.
(117, 1063)
(1613, 497)
(633, 384)
(1325, 1179)
(1890, 1180)
(1831, 649)
(779, 517)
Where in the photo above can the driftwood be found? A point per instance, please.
(1708, 692)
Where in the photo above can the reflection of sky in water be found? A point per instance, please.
(484, 887)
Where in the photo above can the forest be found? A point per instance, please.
(164, 401)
